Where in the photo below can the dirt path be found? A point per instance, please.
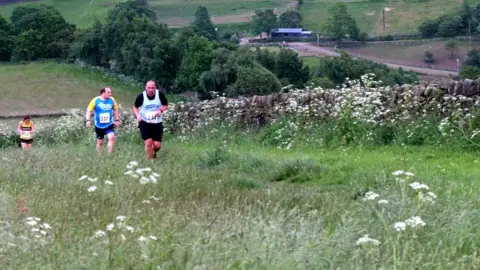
(304, 49)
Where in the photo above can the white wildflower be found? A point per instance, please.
(155, 174)
(367, 240)
(45, 226)
(144, 180)
(128, 173)
(154, 198)
(100, 233)
(92, 179)
(110, 226)
(35, 230)
(32, 222)
(409, 174)
(129, 228)
(142, 239)
(92, 188)
(370, 196)
(83, 177)
(33, 218)
(43, 232)
(121, 218)
(400, 226)
(108, 183)
(153, 237)
(415, 222)
(382, 201)
(146, 201)
(123, 237)
(417, 186)
(397, 173)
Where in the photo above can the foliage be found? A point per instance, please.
(339, 23)
(202, 25)
(429, 28)
(291, 67)
(290, 19)
(338, 69)
(452, 47)
(472, 58)
(450, 26)
(263, 21)
(429, 57)
(197, 59)
(222, 73)
(40, 32)
(469, 72)
(6, 44)
(254, 79)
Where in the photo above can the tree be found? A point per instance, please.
(450, 26)
(476, 12)
(290, 19)
(429, 28)
(290, 67)
(198, 58)
(472, 58)
(469, 72)
(45, 27)
(264, 21)
(466, 15)
(429, 58)
(222, 73)
(130, 9)
(452, 47)
(253, 79)
(6, 44)
(339, 23)
(202, 25)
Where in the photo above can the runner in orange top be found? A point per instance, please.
(26, 129)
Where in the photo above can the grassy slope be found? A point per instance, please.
(46, 87)
(222, 210)
(404, 16)
(82, 12)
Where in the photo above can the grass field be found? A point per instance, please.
(173, 12)
(402, 17)
(414, 55)
(216, 207)
(50, 87)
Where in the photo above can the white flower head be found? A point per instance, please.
(142, 239)
(398, 173)
(83, 177)
(153, 237)
(415, 222)
(418, 186)
(121, 218)
(129, 228)
(100, 233)
(92, 189)
(92, 179)
(370, 196)
(45, 226)
(382, 202)
(32, 222)
(110, 226)
(400, 226)
(367, 240)
(108, 183)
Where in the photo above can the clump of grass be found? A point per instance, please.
(299, 171)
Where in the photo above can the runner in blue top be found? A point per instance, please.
(106, 118)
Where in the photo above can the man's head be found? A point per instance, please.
(26, 118)
(106, 92)
(150, 88)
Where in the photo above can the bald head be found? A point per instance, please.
(150, 87)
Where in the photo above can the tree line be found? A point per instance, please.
(132, 42)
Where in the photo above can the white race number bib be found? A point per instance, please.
(151, 116)
(104, 118)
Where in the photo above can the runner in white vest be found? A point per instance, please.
(148, 108)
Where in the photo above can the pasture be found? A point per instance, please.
(172, 12)
(414, 54)
(401, 16)
(52, 87)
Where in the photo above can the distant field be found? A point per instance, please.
(173, 12)
(402, 16)
(50, 87)
(414, 55)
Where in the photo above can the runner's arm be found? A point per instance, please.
(116, 111)
(164, 101)
(19, 126)
(33, 127)
(138, 103)
(90, 108)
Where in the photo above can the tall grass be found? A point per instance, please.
(339, 192)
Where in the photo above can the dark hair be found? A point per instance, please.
(26, 117)
(103, 90)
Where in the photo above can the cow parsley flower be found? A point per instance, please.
(370, 196)
(367, 240)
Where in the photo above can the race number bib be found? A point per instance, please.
(151, 116)
(26, 135)
(104, 118)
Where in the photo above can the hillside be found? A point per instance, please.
(401, 16)
(172, 12)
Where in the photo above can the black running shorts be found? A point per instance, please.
(101, 132)
(151, 131)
